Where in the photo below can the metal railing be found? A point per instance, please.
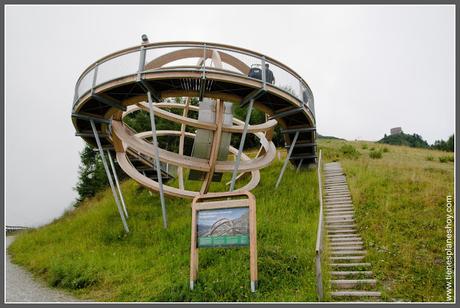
(135, 61)
(319, 237)
(10, 229)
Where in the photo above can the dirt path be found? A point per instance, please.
(22, 287)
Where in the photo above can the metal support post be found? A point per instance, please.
(107, 171)
(240, 149)
(157, 160)
(118, 184)
(287, 159)
(300, 164)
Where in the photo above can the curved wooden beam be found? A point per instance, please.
(173, 191)
(196, 53)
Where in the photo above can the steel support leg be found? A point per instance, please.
(291, 148)
(157, 160)
(240, 149)
(118, 184)
(109, 176)
(300, 165)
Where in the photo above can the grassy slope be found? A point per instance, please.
(87, 252)
(400, 209)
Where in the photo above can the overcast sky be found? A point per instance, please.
(370, 68)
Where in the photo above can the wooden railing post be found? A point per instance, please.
(319, 237)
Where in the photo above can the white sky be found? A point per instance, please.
(370, 68)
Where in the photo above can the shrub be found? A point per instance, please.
(349, 151)
(445, 159)
(385, 150)
(430, 158)
(372, 149)
(364, 146)
(375, 154)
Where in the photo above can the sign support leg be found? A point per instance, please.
(252, 242)
(109, 176)
(193, 252)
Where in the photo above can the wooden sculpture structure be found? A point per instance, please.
(142, 78)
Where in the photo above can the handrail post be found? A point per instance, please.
(93, 85)
(140, 69)
(264, 74)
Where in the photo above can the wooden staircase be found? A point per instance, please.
(351, 277)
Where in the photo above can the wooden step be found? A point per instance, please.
(338, 200)
(348, 265)
(351, 283)
(351, 273)
(348, 252)
(328, 182)
(341, 240)
(342, 188)
(347, 258)
(343, 207)
(349, 232)
(337, 203)
(346, 243)
(341, 226)
(342, 220)
(355, 247)
(332, 209)
(338, 194)
(336, 186)
(348, 216)
(353, 293)
(342, 237)
(339, 212)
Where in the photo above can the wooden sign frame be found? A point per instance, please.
(224, 200)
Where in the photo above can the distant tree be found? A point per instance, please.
(92, 177)
(442, 145)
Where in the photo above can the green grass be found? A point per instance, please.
(400, 203)
(400, 212)
(87, 252)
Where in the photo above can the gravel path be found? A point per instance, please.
(22, 287)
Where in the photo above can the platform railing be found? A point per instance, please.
(128, 61)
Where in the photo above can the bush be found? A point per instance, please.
(385, 150)
(375, 154)
(364, 146)
(349, 151)
(445, 159)
(430, 158)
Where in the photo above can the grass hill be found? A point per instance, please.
(87, 252)
(400, 200)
